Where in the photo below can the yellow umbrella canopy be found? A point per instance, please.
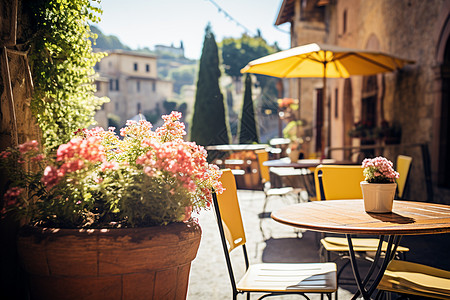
(327, 61)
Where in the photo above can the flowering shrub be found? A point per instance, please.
(287, 102)
(379, 170)
(97, 179)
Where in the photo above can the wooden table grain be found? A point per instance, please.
(349, 217)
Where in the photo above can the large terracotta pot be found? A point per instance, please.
(133, 263)
(378, 197)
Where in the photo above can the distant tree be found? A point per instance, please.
(237, 52)
(169, 106)
(182, 76)
(209, 122)
(248, 133)
(107, 42)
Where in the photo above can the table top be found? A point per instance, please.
(237, 147)
(302, 163)
(348, 216)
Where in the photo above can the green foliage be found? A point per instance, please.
(97, 180)
(209, 122)
(62, 62)
(248, 132)
(237, 52)
(107, 42)
(183, 75)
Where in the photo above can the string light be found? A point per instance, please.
(228, 16)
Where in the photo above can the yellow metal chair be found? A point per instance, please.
(410, 278)
(403, 166)
(335, 182)
(269, 278)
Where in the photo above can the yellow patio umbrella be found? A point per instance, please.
(324, 61)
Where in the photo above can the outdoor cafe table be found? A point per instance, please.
(237, 147)
(348, 217)
(282, 167)
(285, 162)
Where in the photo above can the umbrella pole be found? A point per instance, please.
(324, 99)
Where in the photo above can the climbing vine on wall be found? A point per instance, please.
(62, 65)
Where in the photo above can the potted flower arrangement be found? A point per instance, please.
(108, 216)
(379, 186)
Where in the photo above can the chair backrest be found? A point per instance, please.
(334, 182)
(228, 211)
(263, 156)
(403, 167)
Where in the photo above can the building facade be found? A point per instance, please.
(131, 81)
(411, 105)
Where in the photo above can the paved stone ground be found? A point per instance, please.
(209, 276)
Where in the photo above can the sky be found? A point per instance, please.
(146, 23)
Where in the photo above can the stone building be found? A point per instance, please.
(132, 84)
(178, 51)
(414, 99)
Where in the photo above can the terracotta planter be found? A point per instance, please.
(378, 197)
(134, 263)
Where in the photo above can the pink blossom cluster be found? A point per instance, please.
(141, 129)
(186, 161)
(10, 198)
(74, 156)
(5, 154)
(90, 149)
(172, 128)
(379, 169)
(28, 146)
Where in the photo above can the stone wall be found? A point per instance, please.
(409, 29)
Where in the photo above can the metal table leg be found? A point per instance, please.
(363, 289)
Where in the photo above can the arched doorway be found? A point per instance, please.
(347, 115)
(369, 111)
(444, 136)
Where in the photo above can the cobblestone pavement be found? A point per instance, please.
(280, 243)
(209, 276)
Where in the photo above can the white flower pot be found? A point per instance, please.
(378, 197)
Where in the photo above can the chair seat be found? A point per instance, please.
(279, 191)
(359, 244)
(416, 279)
(282, 172)
(298, 277)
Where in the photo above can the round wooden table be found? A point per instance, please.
(348, 217)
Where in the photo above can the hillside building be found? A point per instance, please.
(131, 81)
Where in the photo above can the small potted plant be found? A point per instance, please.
(108, 217)
(379, 186)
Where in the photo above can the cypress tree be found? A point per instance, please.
(248, 133)
(209, 121)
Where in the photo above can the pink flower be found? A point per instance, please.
(38, 157)
(5, 154)
(379, 170)
(11, 196)
(28, 146)
(50, 177)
